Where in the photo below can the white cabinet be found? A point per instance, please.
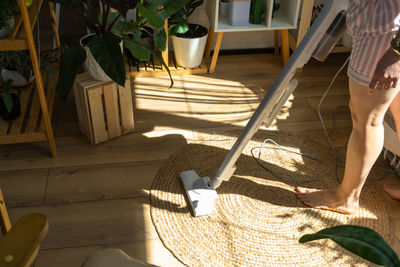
(284, 18)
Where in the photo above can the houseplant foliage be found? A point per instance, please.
(10, 107)
(6, 16)
(179, 22)
(110, 29)
(360, 240)
(18, 62)
(17, 66)
(188, 39)
(257, 11)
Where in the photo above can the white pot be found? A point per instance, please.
(17, 79)
(5, 31)
(189, 51)
(91, 66)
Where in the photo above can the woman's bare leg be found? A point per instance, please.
(365, 145)
(394, 190)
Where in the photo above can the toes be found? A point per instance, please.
(301, 190)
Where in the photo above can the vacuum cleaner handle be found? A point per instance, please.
(282, 87)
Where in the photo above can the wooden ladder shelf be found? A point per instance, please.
(34, 123)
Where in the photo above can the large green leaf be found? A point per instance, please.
(137, 47)
(178, 28)
(362, 241)
(7, 100)
(70, 63)
(107, 52)
(160, 39)
(171, 7)
(152, 17)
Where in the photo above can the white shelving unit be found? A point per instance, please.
(284, 19)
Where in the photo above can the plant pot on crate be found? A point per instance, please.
(189, 47)
(91, 66)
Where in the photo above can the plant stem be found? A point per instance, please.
(106, 13)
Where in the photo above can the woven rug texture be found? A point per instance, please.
(257, 220)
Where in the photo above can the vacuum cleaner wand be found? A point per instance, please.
(326, 29)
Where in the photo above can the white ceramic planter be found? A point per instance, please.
(18, 79)
(189, 51)
(5, 31)
(91, 66)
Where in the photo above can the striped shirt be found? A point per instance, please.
(372, 24)
(373, 17)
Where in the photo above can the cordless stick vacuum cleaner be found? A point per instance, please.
(318, 42)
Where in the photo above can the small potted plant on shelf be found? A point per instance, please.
(6, 17)
(10, 107)
(189, 40)
(101, 51)
(17, 66)
(257, 14)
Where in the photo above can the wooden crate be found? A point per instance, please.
(104, 108)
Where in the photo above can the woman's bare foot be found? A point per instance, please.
(392, 190)
(325, 199)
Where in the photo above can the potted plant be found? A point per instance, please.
(6, 17)
(17, 66)
(101, 52)
(10, 107)
(189, 40)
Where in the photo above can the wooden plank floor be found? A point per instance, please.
(97, 196)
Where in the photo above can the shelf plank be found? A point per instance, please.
(23, 138)
(154, 68)
(24, 97)
(12, 45)
(34, 111)
(24, 128)
(50, 97)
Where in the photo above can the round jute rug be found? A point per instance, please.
(257, 220)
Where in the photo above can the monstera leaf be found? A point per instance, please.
(360, 240)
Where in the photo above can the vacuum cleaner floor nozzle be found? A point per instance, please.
(201, 196)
